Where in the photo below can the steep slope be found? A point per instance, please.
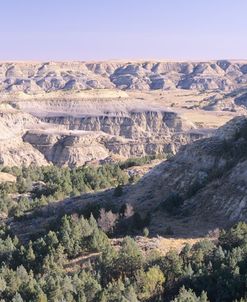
(13, 150)
(69, 113)
(133, 134)
(201, 188)
(74, 138)
(206, 179)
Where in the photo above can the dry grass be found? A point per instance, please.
(211, 119)
(187, 103)
(71, 95)
(177, 244)
(182, 102)
(159, 244)
(164, 245)
(6, 177)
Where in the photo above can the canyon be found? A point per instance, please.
(72, 113)
(194, 193)
(75, 113)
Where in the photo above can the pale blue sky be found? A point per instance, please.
(123, 29)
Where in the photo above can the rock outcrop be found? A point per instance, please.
(37, 77)
(206, 179)
(97, 137)
(76, 139)
(13, 150)
(69, 113)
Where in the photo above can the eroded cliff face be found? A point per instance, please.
(69, 113)
(75, 132)
(93, 138)
(134, 125)
(208, 175)
(13, 150)
(66, 149)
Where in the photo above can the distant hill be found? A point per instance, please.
(33, 77)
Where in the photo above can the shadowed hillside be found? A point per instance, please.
(199, 189)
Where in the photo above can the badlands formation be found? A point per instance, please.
(202, 188)
(70, 113)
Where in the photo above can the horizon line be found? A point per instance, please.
(121, 60)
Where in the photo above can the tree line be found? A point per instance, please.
(38, 270)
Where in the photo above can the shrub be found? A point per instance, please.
(145, 232)
(118, 191)
(107, 220)
(150, 283)
(139, 223)
(172, 203)
(169, 231)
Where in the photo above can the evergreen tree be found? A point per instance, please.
(130, 257)
(150, 283)
(17, 298)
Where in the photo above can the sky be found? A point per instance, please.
(59, 30)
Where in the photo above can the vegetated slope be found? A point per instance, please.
(49, 76)
(201, 188)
